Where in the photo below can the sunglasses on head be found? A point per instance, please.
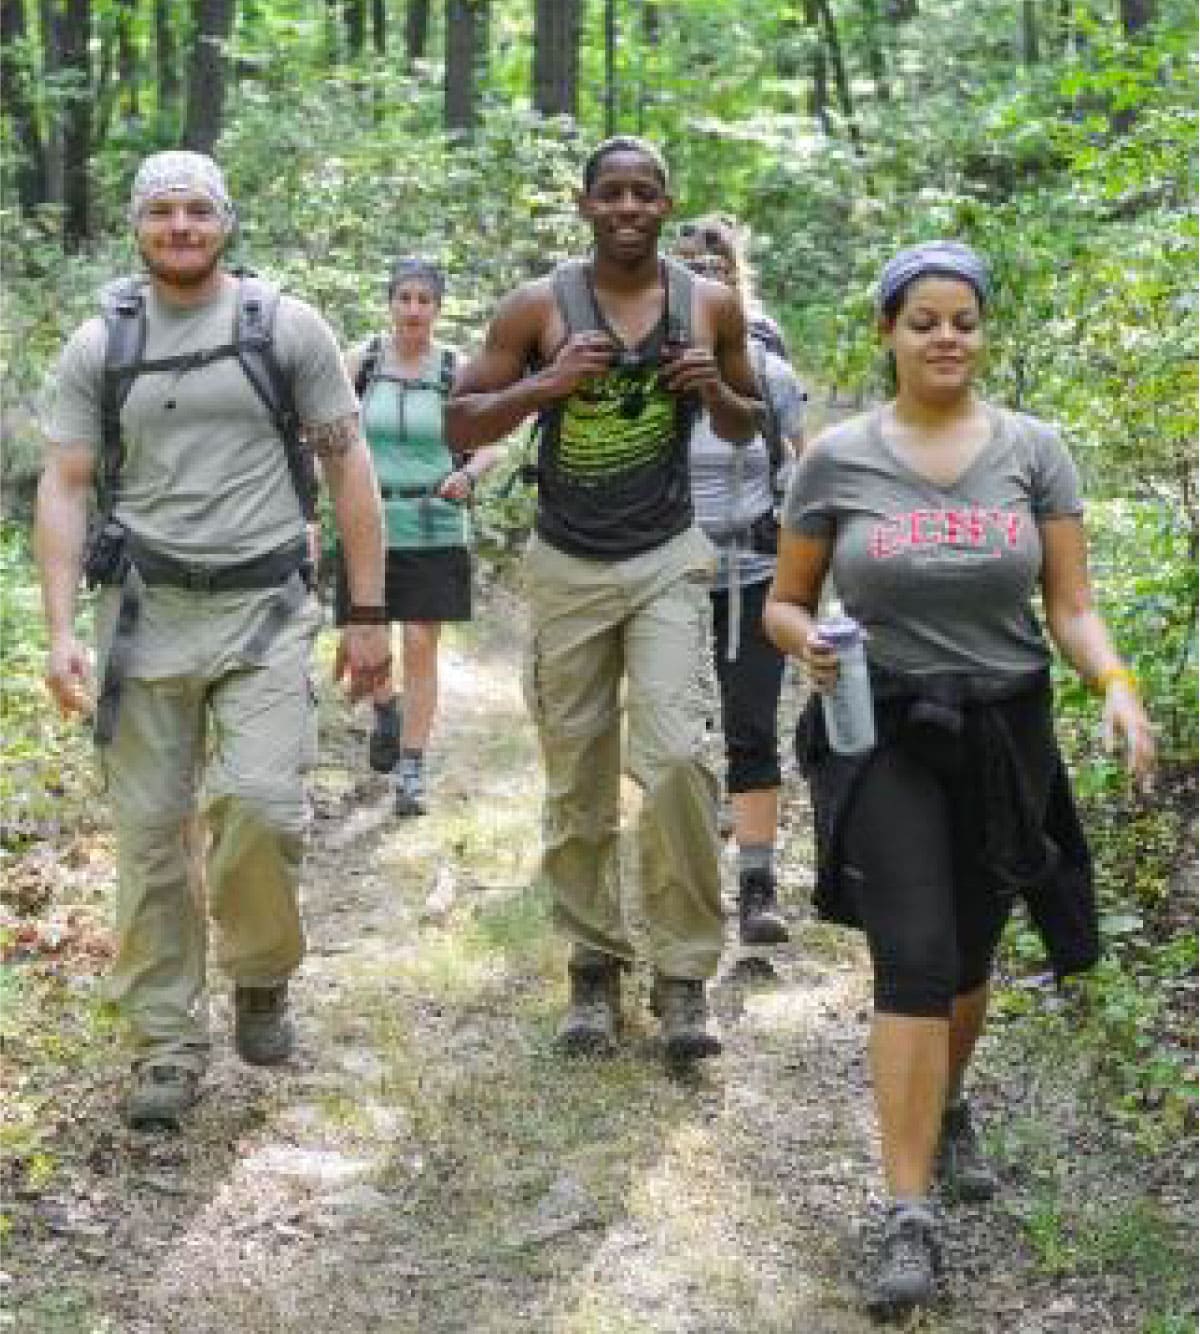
(709, 237)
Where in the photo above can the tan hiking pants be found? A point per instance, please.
(242, 737)
(645, 620)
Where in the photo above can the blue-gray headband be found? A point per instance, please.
(423, 271)
(951, 258)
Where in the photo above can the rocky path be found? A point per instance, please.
(427, 1162)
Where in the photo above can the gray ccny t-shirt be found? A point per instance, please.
(941, 577)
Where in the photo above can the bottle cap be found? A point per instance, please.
(840, 631)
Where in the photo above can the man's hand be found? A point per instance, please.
(691, 369)
(69, 677)
(581, 358)
(364, 655)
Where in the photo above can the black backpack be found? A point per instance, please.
(252, 343)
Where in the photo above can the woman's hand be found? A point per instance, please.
(820, 661)
(457, 485)
(1126, 723)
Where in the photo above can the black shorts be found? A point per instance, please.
(428, 585)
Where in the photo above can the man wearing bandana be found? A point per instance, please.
(204, 629)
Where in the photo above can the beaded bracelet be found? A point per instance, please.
(1110, 674)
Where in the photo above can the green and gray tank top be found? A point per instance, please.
(402, 419)
(613, 475)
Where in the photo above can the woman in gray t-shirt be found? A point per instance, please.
(939, 517)
(734, 490)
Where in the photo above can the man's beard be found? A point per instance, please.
(187, 279)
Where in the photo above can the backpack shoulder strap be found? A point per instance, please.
(680, 283)
(368, 366)
(574, 297)
(772, 429)
(123, 309)
(253, 337)
(449, 364)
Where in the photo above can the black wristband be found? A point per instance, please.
(366, 615)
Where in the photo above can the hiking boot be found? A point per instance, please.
(383, 747)
(160, 1095)
(679, 1002)
(593, 1006)
(759, 921)
(410, 786)
(909, 1258)
(961, 1168)
(262, 1032)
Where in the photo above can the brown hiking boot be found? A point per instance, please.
(679, 1002)
(593, 1006)
(160, 1095)
(759, 921)
(262, 1032)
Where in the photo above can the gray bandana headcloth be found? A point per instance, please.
(422, 270)
(180, 169)
(944, 257)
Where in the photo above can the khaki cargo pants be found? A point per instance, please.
(240, 738)
(643, 620)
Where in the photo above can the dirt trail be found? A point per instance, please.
(428, 1163)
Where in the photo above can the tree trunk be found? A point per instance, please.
(379, 27)
(127, 59)
(206, 74)
(841, 81)
(610, 67)
(77, 124)
(461, 93)
(557, 26)
(1136, 15)
(50, 21)
(899, 11)
(875, 60)
(354, 13)
(1029, 32)
(15, 83)
(166, 71)
(416, 29)
(818, 98)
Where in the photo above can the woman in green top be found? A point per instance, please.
(403, 378)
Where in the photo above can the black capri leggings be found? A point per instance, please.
(932, 925)
(750, 688)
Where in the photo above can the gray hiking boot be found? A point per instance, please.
(909, 1260)
(759, 920)
(262, 1032)
(410, 784)
(961, 1168)
(160, 1095)
(593, 1006)
(680, 1003)
(383, 745)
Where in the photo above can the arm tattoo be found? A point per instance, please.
(334, 439)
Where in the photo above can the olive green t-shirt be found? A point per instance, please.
(941, 577)
(205, 477)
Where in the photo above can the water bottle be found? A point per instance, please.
(849, 713)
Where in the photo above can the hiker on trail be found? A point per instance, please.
(940, 515)
(737, 489)
(625, 348)
(402, 379)
(191, 403)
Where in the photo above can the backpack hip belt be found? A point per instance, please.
(287, 569)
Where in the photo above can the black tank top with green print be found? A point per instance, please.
(613, 476)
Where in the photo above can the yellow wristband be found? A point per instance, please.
(1110, 674)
